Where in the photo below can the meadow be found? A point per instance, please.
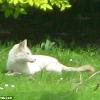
(53, 86)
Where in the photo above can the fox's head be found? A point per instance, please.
(21, 53)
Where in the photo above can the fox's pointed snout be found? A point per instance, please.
(32, 61)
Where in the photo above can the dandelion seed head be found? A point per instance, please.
(1, 88)
(6, 85)
(70, 59)
(12, 85)
(61, 78)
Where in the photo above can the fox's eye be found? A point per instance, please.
(28, 53)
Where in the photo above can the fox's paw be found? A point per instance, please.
(12, 73)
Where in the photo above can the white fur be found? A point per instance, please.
(21, 60)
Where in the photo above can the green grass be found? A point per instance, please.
(53, 86)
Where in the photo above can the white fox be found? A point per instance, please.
(21, 60)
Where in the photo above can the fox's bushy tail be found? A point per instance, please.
(78, 69)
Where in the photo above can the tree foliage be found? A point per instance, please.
(17, 7)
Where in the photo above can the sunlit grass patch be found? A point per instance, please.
(54, 86)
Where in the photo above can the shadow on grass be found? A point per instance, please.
(58, 96)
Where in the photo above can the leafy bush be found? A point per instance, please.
(48, 45)
(17, 7)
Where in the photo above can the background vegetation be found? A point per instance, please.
(78, 24)
(16, 7)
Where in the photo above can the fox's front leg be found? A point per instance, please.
(12, 73)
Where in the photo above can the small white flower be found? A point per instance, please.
(12, 86)
(1, 88)
(6, 85)
(61, 78)
(70, 59)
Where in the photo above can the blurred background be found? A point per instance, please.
(78, 24)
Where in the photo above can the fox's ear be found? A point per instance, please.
(23, 44)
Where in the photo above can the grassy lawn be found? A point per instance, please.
(54, 86)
